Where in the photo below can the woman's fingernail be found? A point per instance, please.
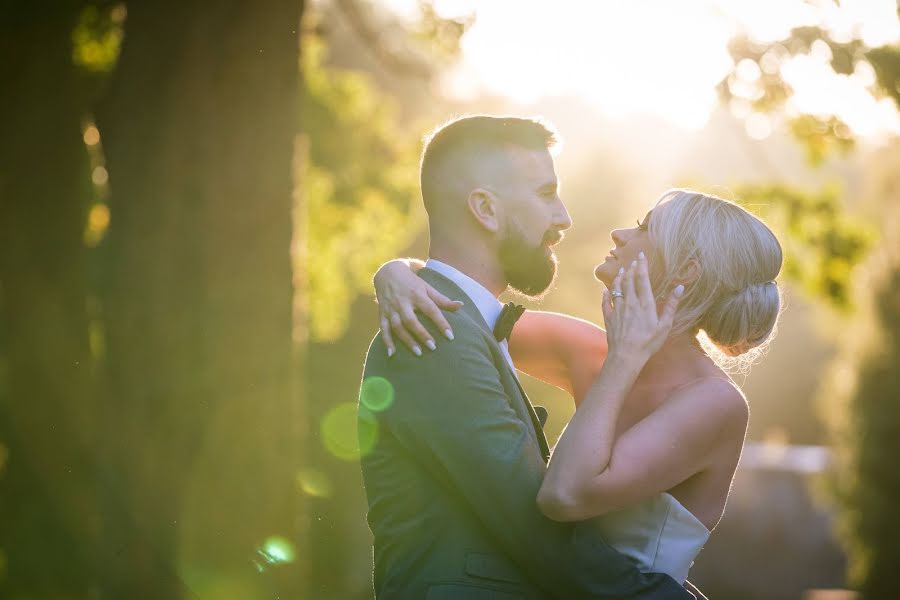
(633, 264)
(449, 334)
(417, 351)
(431, 345)
(621, 270)
(390, 352)
(641, 255)
(679, 290)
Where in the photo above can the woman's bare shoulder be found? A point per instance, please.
(720, 399)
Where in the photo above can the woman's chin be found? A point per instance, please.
(604, 272)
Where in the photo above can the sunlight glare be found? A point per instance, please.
(874, 21)
(650, 57)
(819, 91)
(609, 53)
(758, 126)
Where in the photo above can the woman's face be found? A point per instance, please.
(628, 244)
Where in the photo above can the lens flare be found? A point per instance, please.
(91, 136)
(341, 436)
(277, 550)
(376, 394)
(313, 482)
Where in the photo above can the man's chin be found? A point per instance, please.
(531, 293)
(532, 289)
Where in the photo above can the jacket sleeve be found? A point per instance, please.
(451, 412)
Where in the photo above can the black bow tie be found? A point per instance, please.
(508, 317)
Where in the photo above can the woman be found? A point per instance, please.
(659, 426)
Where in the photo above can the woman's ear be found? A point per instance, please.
(689, 273)
(484, 208)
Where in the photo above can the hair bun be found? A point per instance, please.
(740, 321)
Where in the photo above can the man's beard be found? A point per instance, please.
(530, 270)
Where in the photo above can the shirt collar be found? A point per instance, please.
(486, 303)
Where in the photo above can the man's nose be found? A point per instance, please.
(562, 220)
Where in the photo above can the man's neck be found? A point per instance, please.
(485, 272)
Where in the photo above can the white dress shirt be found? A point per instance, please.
(486, 303)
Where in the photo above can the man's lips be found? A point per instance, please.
(554, 240)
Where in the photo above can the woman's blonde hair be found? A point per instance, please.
(734, 298)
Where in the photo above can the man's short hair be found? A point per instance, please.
(472, 135)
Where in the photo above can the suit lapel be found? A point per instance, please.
(451, 290)
(535, 421)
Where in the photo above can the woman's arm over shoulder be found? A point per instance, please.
(681, 438)
(559, 349)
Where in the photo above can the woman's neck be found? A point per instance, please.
(681, 357)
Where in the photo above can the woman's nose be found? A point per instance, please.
(618, 236)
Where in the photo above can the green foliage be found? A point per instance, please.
(886, 62)
(360, 185)
(440, 35)
(868, 481)
(820, 134)
(863, 385)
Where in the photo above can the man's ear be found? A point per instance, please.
(484, 208)
(689, 273)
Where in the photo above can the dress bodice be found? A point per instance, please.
(659, 534)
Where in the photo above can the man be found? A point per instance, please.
(460, 453)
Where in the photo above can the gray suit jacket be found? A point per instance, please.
(452, 479)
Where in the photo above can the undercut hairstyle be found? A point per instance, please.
(471, 136)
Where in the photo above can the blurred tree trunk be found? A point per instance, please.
(203, 422)
(48, 513)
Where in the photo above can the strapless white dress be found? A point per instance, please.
(659, 534)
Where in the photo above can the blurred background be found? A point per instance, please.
(194, 197)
